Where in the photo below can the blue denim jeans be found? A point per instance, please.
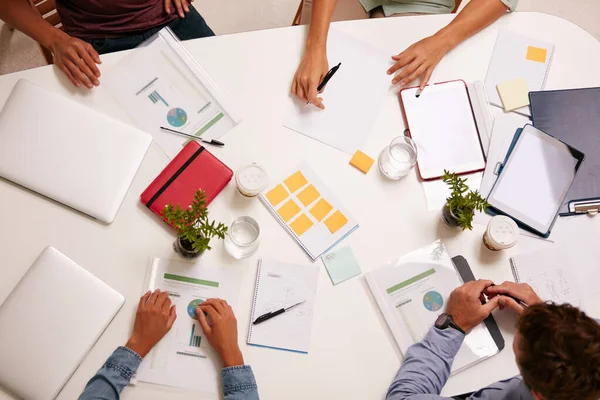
(193, 26)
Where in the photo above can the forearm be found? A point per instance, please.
(19, 14)
(239, 383)
(322, 10)
(427, 366)
(477, 15)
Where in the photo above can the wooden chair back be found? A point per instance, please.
(47, 10)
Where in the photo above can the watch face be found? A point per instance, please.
(442, 321)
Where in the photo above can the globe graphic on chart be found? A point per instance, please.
(191, 308)
(433, 301)
(177, 117)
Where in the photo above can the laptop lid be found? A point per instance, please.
(68, 152)
(48, 324)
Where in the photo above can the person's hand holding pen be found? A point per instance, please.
(516, 296)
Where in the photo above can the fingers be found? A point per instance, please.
(418, 72)
(168, 6)
(505, 288)
(217, 304)
(203, 322)
(210, 310)
(491, 305)
(510, 303)
(172, 316)
(94, 54)
(162, 298)
(179, 8)
(402, 60)
(144, 300)
(477, 287)
(88, 65)
(153, 297)
(69, 75)
(426, 78)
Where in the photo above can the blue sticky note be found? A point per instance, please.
(341, 265)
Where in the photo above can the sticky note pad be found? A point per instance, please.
(537, 54)
(301, 224)
(288, 210)
(336, 221)
(277, 195)
(295, 181)
(308, 195)
(361, 161)
(341, 265)
(514, 94)
(321, 209)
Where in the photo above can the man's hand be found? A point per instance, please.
(182, 7)
(221, 332)
(521, 291)
(419, 60)
(310, 73)
(465, 305)
(154, 318)
(77, 59)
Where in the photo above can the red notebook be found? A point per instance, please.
(192, 169)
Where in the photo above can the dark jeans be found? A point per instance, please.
(193, 26)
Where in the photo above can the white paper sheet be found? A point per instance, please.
(436, 192)
(352, 98)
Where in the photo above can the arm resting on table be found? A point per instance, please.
(19, 14)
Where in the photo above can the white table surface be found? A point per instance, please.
(352, 354)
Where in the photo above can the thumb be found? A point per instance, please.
(510, 303)
(172, 316)
(491, 305)
(203, 322)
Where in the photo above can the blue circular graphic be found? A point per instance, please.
(433, 301)
(191, 308)
(177, 117)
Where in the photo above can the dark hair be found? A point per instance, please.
(560, 352)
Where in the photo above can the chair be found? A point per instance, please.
(47, 10)
(298, 15)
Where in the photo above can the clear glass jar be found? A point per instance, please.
(243, 237)
(397, 159)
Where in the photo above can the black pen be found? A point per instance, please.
(212, 141)
(272, 314)
(328, 76)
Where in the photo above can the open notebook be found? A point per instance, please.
(281, 285)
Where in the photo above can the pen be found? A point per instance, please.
(328, 76)
(212, 141)
(519, 302)
(272, 314)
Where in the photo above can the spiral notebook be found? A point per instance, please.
(282, 285)
(309, 211)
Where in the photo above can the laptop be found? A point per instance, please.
(49, 322)
(68, 152)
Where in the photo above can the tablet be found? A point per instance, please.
(442, 124)
(534, 180)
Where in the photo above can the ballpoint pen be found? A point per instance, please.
(212, 141)
(272, 314)
(328, 76)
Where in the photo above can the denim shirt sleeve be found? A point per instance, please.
(239, 383)
(427, 366)
(113, 376)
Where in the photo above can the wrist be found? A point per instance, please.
(315, 47)
(446, 39)
(138, 346)
(51, 40)
(232, 358)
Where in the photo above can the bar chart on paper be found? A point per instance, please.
(195, 338)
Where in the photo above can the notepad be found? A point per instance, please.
(361, 161)
(309, 211)
(513, 94)
(341, 265)
(281, 285)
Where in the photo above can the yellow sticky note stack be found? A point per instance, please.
(277, 195)
(288, 210)
(361, 161)
(308, 195)
(537, 54)
(295, 181)
(301, 224)
(321, 209)
(336, 221)
(514, 94)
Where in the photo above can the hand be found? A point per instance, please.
(419, 60)
(521, 291)
(465, 305)
(180, 6)
(154, 318)
(77, 59)
(222, 331)
(310, 74)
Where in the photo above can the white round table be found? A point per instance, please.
(352, 353)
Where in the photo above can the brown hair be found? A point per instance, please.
(560, 352)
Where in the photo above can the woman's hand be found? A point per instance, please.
(77, 59)
(310, 73)
(221, 332)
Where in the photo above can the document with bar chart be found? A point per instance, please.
(184, 358)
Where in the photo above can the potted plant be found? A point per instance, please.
(194, 230)
(460, 207)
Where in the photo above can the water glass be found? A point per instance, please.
(397, 159)
(242, 238)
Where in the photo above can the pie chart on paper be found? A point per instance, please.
(433, 301)
(177, 117)
(191, 308)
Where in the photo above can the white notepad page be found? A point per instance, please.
(535, 179)
(281, 285)
(442, 124)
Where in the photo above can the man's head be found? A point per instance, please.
(557, 348)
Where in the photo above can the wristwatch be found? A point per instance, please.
(445, 320)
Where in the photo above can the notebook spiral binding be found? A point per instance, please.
(515, 271)
(548, 68)
(249, 338)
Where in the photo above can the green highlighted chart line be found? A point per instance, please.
(187, 279)
(410, 281)
(206, 127)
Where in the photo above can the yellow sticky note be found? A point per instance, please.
(288, 210)
(336, 221)
(295, 181)
(514, 94)
(361, 161)
(536, 54)
(277, 195)
(321, 209)
(301, 224)
(308, 195)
